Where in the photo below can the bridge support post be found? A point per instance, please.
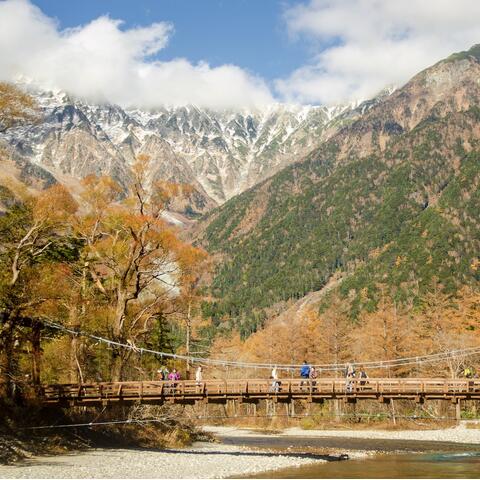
(292, 408)
(336, 410)
(394, 418)
(270, 407)
(458, 410)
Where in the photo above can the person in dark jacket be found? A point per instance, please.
(313, 378)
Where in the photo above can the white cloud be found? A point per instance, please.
(373, 43)
(101, 62)
(360, 46)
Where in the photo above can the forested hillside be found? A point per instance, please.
(393, 198)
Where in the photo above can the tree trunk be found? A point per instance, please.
(76, 374)
(36, 355)
(337, 409)
(6, 358)
(117, 355)
(119, 313)
(75, 371)
(187, 341)
(117, 365)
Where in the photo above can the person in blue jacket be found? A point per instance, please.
(304, 373)
(305, 370)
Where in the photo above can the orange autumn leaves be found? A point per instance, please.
(138, 263)
(127, 266)
(328, 336)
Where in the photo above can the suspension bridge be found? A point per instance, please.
(252, 391)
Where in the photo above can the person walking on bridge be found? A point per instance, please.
(349, 375)
(275, 387)
(305, 370)
(163, 373)
(199, 375)
(304, 373)
(173, 376)
(198, 378)
(313, 378)
(363, 375)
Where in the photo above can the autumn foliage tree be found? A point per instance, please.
(107, 263)
(135, 259)
(32, 233)
(385, 334)
(447, 323)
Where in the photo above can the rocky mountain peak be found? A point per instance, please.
(221, 153)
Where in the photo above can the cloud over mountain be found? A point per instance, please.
(360, 46)
(101, 61)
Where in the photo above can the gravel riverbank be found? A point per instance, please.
(459, 434)
(203, 460)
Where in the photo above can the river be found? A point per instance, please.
(406, 465)
(383, 458)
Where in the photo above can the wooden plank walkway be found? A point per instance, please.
(252, 391)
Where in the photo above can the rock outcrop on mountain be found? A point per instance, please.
(392, 198)
(219, 153)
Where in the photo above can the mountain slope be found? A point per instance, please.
(219, 153)
(393, 197)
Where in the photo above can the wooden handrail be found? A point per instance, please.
(262, 388)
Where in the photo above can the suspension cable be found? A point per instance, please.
(430, 358)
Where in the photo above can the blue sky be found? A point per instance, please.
(249, 33)
(229, 53)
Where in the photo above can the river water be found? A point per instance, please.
(383, 459)
(406, 465)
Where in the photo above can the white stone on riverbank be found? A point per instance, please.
(458, 434)
(204, 460)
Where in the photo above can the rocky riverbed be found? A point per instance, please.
(203, 460)
(245, 452)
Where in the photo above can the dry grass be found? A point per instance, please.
(17, 442)
(473, 426)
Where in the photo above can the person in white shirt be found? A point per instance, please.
(275, 387)
(199, 375)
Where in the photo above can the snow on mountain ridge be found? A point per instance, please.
(222, 153)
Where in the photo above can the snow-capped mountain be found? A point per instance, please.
(220, 153)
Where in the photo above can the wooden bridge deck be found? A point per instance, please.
(251, 391)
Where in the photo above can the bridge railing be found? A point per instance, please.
(327, 387)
